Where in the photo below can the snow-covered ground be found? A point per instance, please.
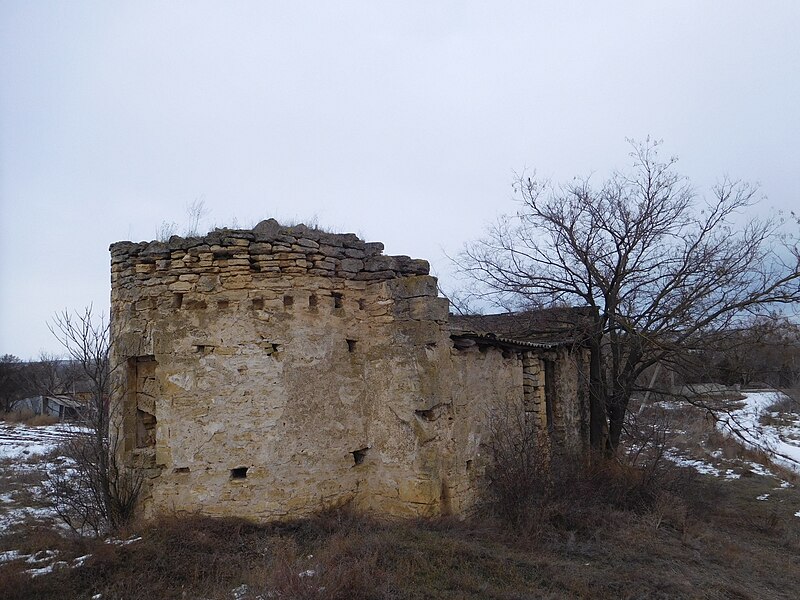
(752, 425)
(781, 442)
(28, 455)
(18, 441)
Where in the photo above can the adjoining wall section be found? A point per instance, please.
(272, 372)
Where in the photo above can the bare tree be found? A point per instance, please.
(12, 382)
(663, 269)
(104, 493)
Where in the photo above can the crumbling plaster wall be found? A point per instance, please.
(273, 372)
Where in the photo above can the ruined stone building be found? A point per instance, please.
(273, 372)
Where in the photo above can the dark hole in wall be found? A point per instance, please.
(196, 304)
(351, 345)
(222, 304)
(258, 304)
(145, 429)
(469, 466)
(140, 403)
(239, 473)
(549, 391)
(288, 301)
(426, 415)
(445, 500)
(463, 343)
(312, 301)
(337, 300)
(178, 301)
(362, 304)
(359, 455)
(181, 470)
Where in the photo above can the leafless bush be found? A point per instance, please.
(17, 416)
(647, 435)
(536, 493)
(98, 493)
(518, 475)
(789, 402)
(41, 420)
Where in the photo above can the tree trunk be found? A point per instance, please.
(616, 406)
(598, 429)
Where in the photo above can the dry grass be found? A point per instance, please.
(41, 420)
(612, 530)
(707, 542)
(17, 416)
(702, 539)
(27, 417)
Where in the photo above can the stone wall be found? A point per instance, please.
(273, 372)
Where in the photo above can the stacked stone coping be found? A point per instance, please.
(269, 249)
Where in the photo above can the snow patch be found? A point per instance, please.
(781, 443)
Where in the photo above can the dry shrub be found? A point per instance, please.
(41, 420)
(18, 416)
(788, 403)
(532, 492)
(630, 554)
(28, 417)
(100, 494)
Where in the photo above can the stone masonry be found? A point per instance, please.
(273, 372)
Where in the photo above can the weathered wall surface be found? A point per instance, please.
(273, 372)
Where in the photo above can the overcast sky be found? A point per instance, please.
(401, 121)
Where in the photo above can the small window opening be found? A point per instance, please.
(312, 301)
(178, 300)
(181, 470)
(426, 415)
(222, 305)
(359, 455)
(337, 300)
(239, 473)
(362, 304)
(288, 301)
(469, 466)
(196, 305)
(258, 304)
(351, 345)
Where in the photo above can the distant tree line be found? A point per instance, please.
(48, 376)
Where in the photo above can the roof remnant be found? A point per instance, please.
(536, 328)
